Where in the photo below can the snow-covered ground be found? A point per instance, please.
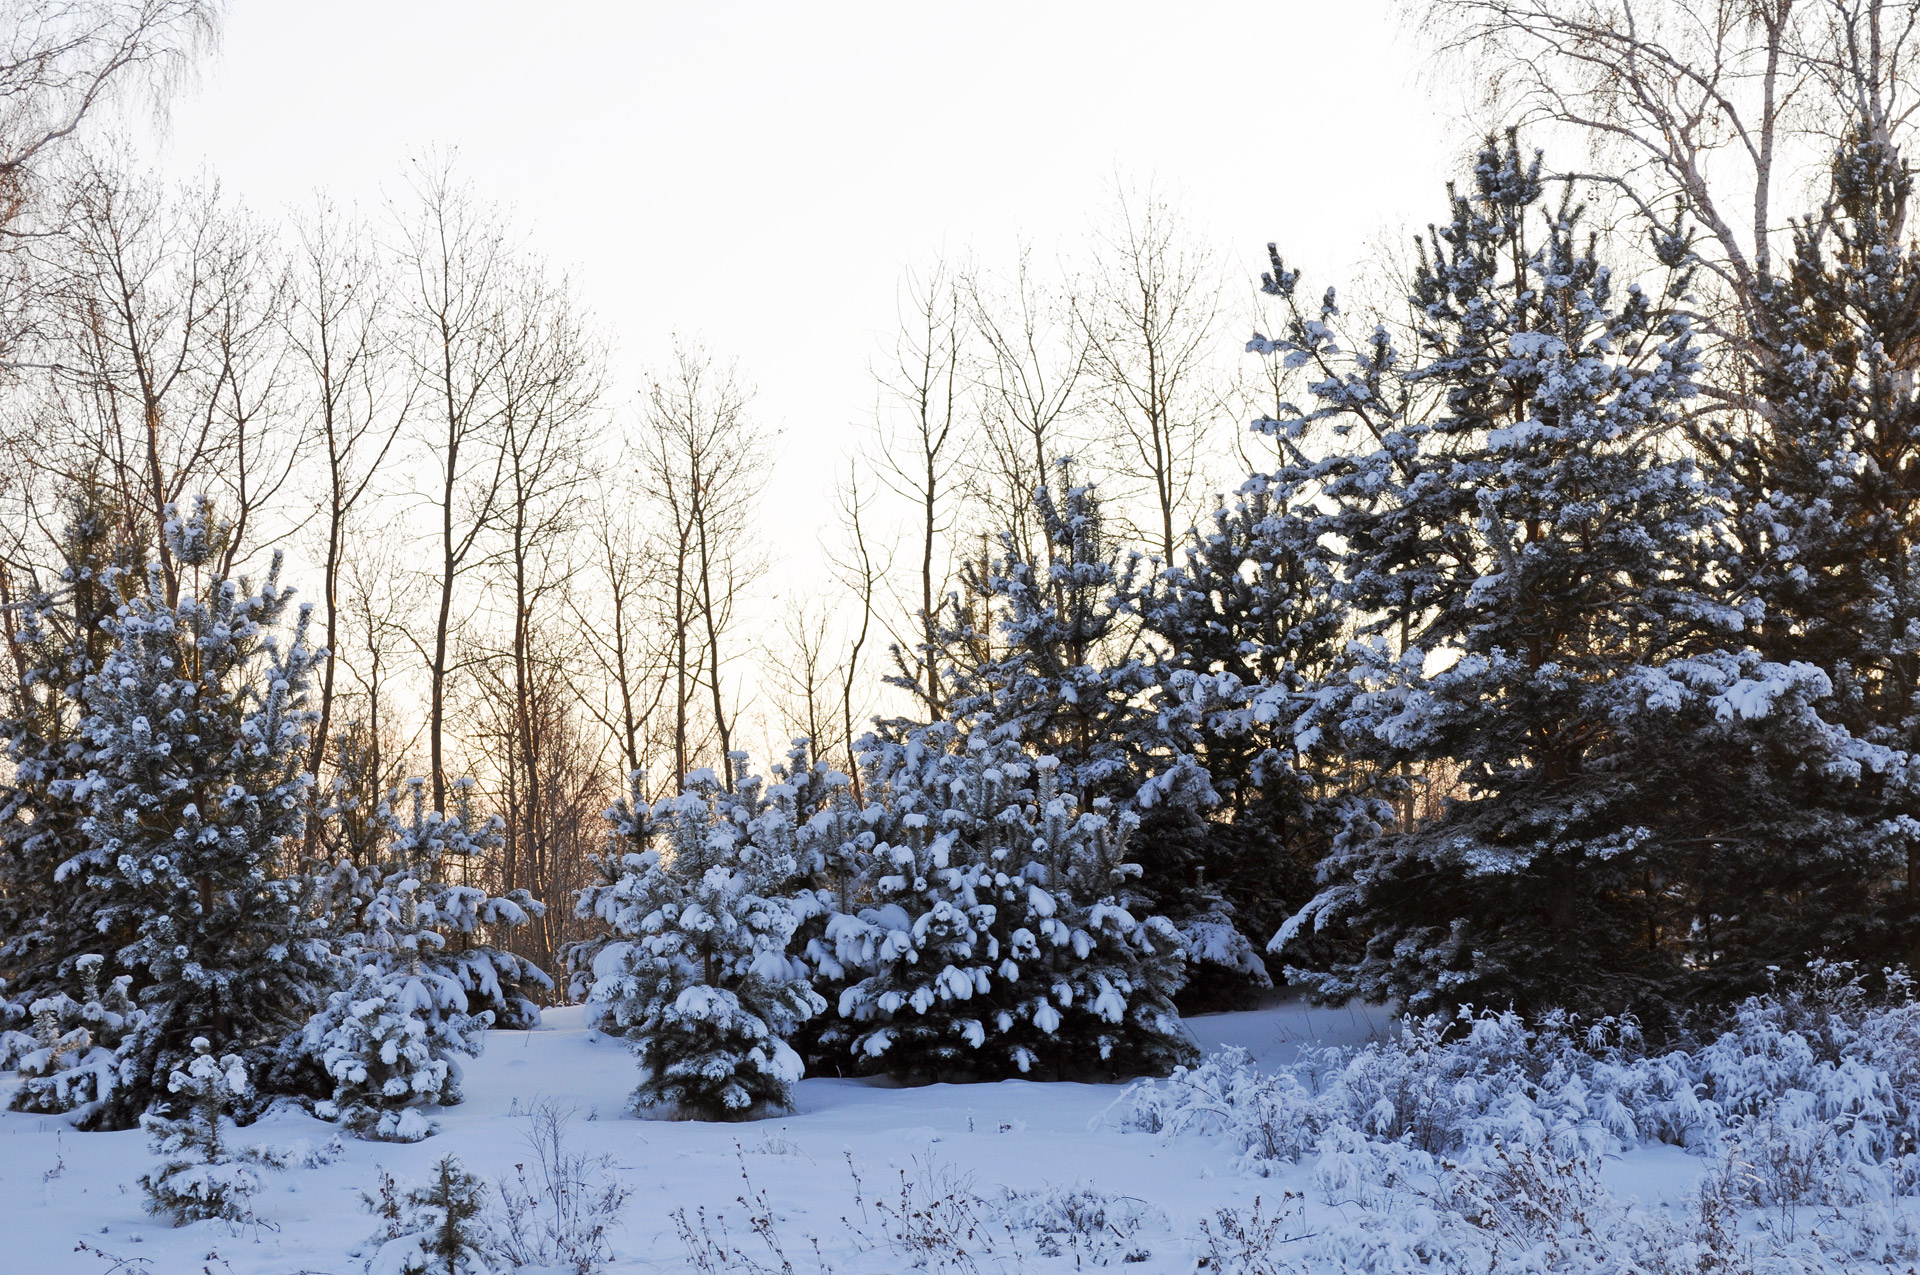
(60, 1189)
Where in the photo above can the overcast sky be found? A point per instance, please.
(758, 175)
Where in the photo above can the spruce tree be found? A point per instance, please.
(194, 737)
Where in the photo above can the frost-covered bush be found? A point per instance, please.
(200, 1175)
(1812, 1072)
(1088, 1225)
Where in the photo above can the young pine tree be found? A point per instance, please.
(998, 941)
(56, 640)
(195, 738)
(1250, 626)
(1062, 666)
(697, 974)
(391, 1041)
(74, 1064)
(439, 1228)
(200, 1177)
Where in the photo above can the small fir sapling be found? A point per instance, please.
(73, 1067)
(440, 1228)
(697, 976)
(200, 1176)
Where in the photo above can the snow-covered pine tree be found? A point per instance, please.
(75, 1064)
(439, 1228)
(1545, 635)
(810, 820)
(998, 937)
(56, 640)
(697, 975)
(1063, 666)
(449, 924)
(1249, 625)
(391, 1041)
(1827, 491)
(195, 740)
(200, 1177)
(388, 1041)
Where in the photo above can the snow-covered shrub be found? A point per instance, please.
(1266, 1118)
(441, 1227)
(201, 1176)
(697, 976)
(1088, 1225)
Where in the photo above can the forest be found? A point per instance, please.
(1533, 627)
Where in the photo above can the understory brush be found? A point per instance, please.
(930, 1217)
(1476, 1143)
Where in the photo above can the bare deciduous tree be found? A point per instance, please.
(338, 337)
(1703, 108)
(454, 260)
(167, 312)
(922, 432)
(1152, 321)
(1031, 363)
(703, 464)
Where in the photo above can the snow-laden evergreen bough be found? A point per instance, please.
(697, 974)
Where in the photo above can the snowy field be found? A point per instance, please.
(998, 1177)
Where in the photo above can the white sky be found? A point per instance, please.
(758, 175)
